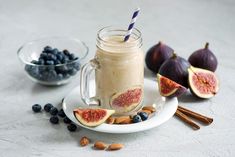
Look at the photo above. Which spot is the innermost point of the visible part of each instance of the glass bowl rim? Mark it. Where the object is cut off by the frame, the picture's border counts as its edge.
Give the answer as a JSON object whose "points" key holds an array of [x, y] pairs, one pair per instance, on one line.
{"points": [[19, 51]]}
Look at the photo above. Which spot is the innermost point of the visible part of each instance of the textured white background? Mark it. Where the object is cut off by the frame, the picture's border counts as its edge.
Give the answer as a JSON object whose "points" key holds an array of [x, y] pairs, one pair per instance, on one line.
{"points": [[183, 24]]}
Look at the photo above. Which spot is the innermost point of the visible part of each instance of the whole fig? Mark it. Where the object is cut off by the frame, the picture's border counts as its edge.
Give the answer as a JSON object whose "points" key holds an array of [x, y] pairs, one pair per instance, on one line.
{"points": [[204, 58], [176, 69], [157, 55]]}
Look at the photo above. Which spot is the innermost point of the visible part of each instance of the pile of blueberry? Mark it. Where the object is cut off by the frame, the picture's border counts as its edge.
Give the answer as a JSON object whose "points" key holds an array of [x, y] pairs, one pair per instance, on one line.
{"points": [[141, 116], [53, 65], [55, 114]]}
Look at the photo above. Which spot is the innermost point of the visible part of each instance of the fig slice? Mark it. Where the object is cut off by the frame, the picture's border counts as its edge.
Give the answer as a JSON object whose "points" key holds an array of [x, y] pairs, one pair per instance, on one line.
{"points": [[169, 88], [127, 100], [92, 116], [203, 83]]}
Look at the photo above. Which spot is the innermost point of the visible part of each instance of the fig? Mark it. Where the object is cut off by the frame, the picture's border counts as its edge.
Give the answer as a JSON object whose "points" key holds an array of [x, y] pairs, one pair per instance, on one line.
{"points": [[156, 56], [169, 88], [203, 83], [204, 58], [127, 100], [176, 69], [92, 116]]}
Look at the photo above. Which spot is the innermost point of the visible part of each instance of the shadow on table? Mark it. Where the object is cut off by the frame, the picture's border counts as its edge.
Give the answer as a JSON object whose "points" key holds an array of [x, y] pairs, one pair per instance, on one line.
{"points": [[188, 97], [38, 88]]}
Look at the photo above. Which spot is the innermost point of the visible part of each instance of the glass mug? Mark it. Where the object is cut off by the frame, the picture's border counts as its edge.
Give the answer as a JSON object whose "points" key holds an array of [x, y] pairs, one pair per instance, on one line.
{"points": [[119, 72]]}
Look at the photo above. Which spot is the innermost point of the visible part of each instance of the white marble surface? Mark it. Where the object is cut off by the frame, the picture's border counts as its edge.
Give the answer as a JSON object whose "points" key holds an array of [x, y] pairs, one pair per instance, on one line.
{"points": [[184, 24]]}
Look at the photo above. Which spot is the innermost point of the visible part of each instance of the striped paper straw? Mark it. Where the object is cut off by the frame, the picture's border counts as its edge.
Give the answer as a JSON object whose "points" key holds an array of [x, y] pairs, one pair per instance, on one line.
{"points": [[131, 26]]}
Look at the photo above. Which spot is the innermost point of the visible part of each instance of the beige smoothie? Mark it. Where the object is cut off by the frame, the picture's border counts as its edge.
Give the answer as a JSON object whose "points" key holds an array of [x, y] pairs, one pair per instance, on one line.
{"points": [[120, 74]]}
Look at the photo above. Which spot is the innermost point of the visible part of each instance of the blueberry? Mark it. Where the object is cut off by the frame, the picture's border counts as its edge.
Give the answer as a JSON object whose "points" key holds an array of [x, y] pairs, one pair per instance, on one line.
{"points": [[27, 67], [59, 56], [72, 127], [66, 76], [49, 68], [61, 113], [32, 70], [41, 69], [60, 76], [49, 62], [53, 111], [34, 62], [77, 65], [143, 115], [49, 75], [50, 56], [36, 108], [71, 56], [136, 119], [61, 69], [57, 62], [48, 107], [66, 52], [43, 55], [65, 59], [72, 72], [53, 74], [41, 61], [53, 57], [55, 51], [54, 120], [47, 49], [67, 120]]}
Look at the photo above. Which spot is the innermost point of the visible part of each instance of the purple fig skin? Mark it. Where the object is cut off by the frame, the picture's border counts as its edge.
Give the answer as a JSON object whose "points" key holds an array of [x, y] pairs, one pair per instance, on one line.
{"points": [[176, 69], [157, 55], [204, 58], [179, 92]]}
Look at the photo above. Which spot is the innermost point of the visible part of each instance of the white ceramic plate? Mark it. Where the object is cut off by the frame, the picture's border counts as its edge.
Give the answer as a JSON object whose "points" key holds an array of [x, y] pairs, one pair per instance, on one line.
{"points": [[165, 109]]}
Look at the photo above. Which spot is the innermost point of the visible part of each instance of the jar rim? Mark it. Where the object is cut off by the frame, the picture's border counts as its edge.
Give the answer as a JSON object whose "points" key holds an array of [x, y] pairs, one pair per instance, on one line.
{"points": [[114, 28], [136, 39]]}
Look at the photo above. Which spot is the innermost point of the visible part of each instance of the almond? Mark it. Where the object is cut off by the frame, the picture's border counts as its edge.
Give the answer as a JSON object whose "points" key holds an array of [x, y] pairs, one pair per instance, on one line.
{"points": [[146, 111], [84, 141], [122, 120], [110, 120], [149, 108], [100, 145], [115, 146], [126, 121]]}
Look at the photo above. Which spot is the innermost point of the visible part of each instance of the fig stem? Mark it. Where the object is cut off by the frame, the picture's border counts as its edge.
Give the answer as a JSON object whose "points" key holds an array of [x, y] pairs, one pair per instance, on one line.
{"points": [[207, 45], [174, 55]]}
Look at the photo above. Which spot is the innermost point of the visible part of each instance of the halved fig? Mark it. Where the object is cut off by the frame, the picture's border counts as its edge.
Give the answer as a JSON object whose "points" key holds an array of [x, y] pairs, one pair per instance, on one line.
{"points": [[203, 83], [169, 88], [92, 116], [127, 100]]}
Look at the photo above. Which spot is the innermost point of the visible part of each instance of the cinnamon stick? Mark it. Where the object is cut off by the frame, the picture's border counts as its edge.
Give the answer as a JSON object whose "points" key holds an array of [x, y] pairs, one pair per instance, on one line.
{"points": [[197, 116], [187, 120]]}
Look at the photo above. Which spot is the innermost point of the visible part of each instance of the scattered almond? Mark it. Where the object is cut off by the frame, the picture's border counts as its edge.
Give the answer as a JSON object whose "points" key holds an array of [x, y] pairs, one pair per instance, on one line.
{"points": [[149, 108], [115, 146], [84, 141], [100, 145], [122, 120], [110, 120]]}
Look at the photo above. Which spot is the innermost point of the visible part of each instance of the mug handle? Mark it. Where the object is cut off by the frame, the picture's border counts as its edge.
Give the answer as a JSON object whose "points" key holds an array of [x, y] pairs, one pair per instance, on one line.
{"points": [[84, 83]]}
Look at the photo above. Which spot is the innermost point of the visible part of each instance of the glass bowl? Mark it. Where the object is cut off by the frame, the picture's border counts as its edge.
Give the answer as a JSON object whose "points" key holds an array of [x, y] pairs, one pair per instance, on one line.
{"points": [[60, 62]]}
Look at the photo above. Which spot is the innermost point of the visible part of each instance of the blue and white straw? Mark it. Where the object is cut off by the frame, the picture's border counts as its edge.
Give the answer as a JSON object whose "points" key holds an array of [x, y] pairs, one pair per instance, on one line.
{"points": [[131, 26]]}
